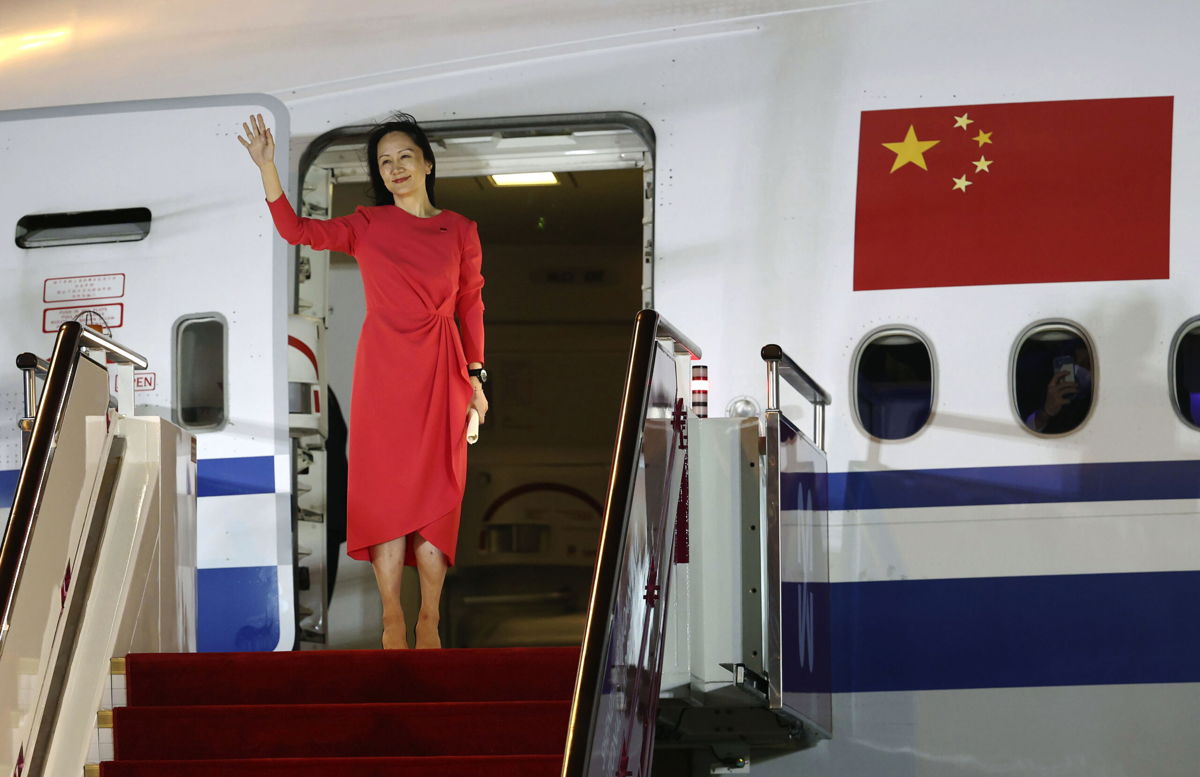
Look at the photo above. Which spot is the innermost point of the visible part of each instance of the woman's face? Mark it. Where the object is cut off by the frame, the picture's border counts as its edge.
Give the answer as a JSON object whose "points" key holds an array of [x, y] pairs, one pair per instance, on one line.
{"points": [[402, 165]]}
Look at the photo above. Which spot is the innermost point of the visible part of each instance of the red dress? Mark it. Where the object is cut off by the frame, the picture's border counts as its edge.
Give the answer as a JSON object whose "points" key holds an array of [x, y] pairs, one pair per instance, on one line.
{"points": [[408, 451]]}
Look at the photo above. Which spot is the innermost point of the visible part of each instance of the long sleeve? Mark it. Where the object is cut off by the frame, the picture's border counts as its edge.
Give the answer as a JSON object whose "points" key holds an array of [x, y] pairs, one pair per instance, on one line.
{"points": [[468, 306], [339, 234]]}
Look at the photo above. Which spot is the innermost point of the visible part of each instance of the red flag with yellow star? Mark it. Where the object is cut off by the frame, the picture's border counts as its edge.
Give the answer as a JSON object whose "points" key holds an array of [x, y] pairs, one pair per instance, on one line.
{"points": [[1043, 192]]}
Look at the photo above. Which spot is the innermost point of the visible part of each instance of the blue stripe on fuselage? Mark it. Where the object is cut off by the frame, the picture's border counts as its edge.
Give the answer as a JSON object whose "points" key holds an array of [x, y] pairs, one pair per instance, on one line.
{"points": [[8, 486], [244, 475], [215, 477], [237, 609], [1000, 632], [1099, 482]]}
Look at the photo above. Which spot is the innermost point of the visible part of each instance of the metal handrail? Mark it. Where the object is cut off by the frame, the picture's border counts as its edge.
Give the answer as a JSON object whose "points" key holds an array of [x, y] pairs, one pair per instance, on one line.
{"points": [[779, 364], [112, 349], [800, 380], [72, 339], [666, 331], [31, 361], [649, 327], [34, 367]]}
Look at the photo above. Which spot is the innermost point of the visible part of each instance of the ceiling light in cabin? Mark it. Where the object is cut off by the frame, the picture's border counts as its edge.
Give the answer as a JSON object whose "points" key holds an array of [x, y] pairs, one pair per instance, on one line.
{"points": [[524, 179], [14, 45]]}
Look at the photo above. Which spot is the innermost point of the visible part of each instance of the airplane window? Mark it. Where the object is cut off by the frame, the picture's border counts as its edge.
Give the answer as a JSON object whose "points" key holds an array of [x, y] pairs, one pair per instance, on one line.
{"points": [[200, 373], [1185, 360], [45, 230], [1053, 378], [894, 377]]}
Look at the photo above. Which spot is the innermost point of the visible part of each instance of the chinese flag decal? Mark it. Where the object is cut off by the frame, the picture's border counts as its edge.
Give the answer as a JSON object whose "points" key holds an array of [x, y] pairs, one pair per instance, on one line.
{"points": [[1045, 192]]}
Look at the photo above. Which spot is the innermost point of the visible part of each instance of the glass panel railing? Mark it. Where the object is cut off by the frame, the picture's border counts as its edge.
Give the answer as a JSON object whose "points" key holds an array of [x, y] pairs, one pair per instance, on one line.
{"points": [[804, 661], [616, 698], [797, 657]]}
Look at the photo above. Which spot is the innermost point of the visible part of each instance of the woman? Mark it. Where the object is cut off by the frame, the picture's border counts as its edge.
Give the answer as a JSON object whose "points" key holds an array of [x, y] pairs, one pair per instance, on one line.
{"points": [[416, 377]]}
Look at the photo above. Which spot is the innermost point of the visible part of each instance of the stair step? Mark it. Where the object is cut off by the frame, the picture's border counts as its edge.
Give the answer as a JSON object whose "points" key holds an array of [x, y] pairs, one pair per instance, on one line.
{"points": [[442, 766], [351, 676], [340, 730]]}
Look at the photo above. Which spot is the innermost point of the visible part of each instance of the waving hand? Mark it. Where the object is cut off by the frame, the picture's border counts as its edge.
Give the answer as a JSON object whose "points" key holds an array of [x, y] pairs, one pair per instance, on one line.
{"points": [[260, 144], [258, 141]]}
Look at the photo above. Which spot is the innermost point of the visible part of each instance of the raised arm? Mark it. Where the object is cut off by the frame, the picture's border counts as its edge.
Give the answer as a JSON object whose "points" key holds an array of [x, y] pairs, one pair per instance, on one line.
{"points": [[338, 234]]}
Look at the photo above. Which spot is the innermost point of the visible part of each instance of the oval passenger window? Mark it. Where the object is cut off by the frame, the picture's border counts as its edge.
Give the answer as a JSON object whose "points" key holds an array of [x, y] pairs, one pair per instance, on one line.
{"points": [[1185, 361], [1053, 379], [894, 385]]}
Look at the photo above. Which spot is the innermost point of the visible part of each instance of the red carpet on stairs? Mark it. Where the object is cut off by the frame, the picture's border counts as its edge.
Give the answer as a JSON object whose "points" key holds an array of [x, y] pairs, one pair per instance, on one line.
{"points": [[353, 713]]}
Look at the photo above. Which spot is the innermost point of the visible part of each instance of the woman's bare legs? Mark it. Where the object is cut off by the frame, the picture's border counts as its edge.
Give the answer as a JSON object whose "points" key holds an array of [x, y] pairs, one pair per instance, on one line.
{"points": [[387, 559], [431, 569]]}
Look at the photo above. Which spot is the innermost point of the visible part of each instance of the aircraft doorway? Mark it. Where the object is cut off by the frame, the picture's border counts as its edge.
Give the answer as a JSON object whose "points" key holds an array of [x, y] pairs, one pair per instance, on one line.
{"points": [[565, 274]]}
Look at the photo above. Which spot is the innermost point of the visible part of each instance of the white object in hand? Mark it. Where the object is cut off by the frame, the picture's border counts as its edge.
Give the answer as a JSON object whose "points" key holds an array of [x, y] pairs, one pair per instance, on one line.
{"points": [[472, 426]]}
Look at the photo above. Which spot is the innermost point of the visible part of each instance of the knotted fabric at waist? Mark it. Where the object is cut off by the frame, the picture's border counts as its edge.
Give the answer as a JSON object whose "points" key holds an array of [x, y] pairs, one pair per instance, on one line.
{"points": [[407, 320]]}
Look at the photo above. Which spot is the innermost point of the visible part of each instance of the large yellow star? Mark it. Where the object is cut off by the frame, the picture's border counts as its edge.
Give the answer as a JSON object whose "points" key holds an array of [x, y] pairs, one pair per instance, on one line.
{"points": [[961, 184], [983, 137], [962, 121], [982, 164], [910, 150]]}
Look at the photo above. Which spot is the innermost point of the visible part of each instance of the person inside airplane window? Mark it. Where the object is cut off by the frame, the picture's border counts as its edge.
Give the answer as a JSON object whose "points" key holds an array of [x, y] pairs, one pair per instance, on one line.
{"points": [[417, 376], [1068, 394]]}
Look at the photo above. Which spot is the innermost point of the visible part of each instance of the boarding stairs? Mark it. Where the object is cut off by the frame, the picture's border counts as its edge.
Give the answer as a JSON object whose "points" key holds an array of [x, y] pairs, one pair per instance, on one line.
{"points": [[359, 713], [124, 526]]}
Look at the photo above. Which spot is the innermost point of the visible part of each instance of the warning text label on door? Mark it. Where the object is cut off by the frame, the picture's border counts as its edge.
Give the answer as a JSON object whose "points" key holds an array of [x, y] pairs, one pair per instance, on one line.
{"points": [[97, 316], [81, 287]]}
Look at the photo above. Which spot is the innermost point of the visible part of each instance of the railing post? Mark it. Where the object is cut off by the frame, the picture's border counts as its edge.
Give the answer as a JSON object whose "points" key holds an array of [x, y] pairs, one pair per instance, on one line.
{"points": [[124, 388], [30, 391], [772, 385], [33, 367]]}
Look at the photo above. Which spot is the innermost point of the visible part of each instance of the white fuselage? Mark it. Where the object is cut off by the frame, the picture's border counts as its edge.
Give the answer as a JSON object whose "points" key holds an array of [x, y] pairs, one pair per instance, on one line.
{"points": [[756, 111]]}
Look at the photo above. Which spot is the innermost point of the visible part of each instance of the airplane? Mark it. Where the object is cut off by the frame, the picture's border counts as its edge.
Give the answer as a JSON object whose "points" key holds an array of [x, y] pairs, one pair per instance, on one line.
{"points": [[956, 217]]}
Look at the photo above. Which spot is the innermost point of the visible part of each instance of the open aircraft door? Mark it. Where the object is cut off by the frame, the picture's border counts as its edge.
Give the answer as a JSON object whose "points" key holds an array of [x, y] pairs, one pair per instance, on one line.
{"points": [[146, 220]]}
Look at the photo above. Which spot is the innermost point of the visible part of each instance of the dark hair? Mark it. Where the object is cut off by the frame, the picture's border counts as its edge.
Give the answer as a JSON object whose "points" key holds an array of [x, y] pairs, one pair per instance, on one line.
{"points": [[399, 122]]}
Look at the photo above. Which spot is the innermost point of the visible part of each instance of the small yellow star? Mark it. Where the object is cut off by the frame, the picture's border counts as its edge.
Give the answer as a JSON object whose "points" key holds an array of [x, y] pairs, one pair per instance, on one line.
{"points": [[983, 137], [982, 164], [961, 184], [962, 121], [910, 150]]}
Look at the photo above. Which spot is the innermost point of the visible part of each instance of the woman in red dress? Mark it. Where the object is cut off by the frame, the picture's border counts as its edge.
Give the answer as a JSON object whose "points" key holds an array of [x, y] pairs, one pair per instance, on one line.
{"points": [[416, 374]]}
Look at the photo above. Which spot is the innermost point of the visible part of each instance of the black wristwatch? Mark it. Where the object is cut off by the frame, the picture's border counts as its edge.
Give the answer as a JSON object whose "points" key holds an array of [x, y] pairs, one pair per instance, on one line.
{"points": [[479, 372]]}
